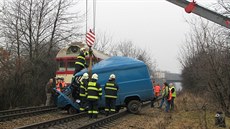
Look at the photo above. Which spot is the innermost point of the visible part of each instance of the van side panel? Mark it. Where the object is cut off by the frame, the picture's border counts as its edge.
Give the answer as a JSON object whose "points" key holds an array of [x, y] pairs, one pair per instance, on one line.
{"points": [[131, 82], [132, 77], [137, 82]]}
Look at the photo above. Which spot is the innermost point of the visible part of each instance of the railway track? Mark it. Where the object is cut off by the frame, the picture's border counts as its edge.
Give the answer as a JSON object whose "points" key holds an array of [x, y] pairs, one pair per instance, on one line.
{"points": [[54, 122], [101, 123], [7, 115], [80, 123]]}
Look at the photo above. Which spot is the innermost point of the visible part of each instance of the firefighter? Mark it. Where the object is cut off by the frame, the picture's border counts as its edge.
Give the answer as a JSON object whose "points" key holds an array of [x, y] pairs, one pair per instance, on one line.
{"points": [[94, 93], [83, 91], [81, 63], [111, 89]]}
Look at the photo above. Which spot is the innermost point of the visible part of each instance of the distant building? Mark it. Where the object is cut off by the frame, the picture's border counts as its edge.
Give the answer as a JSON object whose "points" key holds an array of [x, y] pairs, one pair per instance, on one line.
{"points": [[165, 76]]}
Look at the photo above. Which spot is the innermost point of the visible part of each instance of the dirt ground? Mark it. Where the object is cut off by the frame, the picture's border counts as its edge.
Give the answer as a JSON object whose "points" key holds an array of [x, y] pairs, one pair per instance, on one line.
{"points": [[188, 114]]}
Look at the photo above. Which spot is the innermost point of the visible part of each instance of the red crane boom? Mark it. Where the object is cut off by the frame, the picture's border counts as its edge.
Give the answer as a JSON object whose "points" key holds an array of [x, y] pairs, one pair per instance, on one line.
{"points": [[204, 12]]}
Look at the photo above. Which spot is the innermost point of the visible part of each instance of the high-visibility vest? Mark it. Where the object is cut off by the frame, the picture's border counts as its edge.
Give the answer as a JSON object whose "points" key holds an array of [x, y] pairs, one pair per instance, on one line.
{"points": [[58, 88], [63, 84], [94, 91], [174, 93], [166, 91], [157, 88], [111, 90]]}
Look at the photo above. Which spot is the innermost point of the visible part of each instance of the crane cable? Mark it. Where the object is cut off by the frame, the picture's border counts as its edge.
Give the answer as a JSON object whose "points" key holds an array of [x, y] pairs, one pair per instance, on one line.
{"points": [[94, 16], [86, 19]]}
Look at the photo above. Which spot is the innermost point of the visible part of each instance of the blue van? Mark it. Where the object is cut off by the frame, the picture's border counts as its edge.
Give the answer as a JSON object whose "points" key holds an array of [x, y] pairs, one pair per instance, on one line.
{"points": [[132, 77]]}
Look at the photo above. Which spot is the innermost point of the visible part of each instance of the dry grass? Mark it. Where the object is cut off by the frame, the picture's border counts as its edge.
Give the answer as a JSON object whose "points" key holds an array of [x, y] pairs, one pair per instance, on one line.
{"points": [[194, 112], [191, 112]]}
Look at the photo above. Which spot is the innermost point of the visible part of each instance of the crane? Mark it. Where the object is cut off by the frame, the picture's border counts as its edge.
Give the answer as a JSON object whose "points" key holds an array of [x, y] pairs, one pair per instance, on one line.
{"points": [[204, 12]]}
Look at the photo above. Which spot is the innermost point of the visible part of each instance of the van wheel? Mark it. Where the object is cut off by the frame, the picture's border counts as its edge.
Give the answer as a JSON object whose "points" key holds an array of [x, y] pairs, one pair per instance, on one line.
{"points": [[134, 106], [71, 110]]}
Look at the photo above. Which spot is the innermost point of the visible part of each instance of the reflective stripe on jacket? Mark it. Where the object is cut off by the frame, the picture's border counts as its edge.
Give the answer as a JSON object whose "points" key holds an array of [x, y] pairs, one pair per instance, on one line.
{"points": [[83, 88], [94, 90], [111, 89], [81, 59]]}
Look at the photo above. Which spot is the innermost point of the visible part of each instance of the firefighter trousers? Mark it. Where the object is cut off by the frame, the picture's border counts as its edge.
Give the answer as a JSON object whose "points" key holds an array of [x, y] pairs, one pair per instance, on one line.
{"points": [[83, 103], [93, 108], [110, 104]]}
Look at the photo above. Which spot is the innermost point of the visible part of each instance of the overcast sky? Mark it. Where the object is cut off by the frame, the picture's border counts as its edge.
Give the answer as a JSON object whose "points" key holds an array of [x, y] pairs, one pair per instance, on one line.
{"points": [[155, 25]]}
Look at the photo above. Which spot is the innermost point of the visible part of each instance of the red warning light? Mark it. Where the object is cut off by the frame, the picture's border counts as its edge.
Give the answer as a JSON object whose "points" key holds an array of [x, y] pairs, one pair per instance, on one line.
{"points": [[190, 7]]}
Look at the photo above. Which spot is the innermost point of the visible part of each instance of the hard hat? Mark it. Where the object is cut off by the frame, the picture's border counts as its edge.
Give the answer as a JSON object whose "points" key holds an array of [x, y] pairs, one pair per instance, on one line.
{"points": [[112, 76], [170, 84], [85, 76], [95, 76], [82, 49]]}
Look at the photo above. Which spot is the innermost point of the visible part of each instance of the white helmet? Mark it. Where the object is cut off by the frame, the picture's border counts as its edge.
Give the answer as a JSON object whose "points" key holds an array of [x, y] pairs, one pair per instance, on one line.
{"points": [[112, 76], [95, 76], [82, 49], [170, 84], [85, 76]]}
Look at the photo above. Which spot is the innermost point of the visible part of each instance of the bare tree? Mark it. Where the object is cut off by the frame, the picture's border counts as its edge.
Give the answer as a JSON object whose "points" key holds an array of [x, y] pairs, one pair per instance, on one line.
{"points": [[103, 42], [206, 63], [106, 44], [31, 31]]}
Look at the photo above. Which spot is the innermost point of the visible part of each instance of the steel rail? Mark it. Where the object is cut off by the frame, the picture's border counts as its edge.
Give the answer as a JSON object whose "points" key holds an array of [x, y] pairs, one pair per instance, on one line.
{"points": [[21, 110], [94, 124], [53, 122], [106, 120], [24, 114]]}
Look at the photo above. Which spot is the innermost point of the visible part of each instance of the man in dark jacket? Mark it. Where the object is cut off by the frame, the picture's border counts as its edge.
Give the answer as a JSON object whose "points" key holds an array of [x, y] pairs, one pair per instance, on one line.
{"points": [[81, 63], [94, 93], [50, 92], [111, 89]]}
